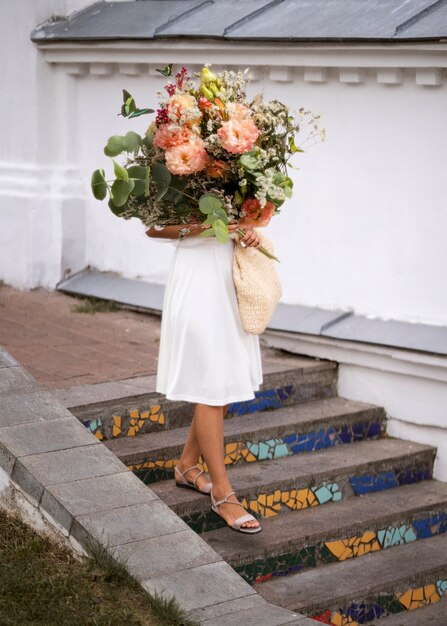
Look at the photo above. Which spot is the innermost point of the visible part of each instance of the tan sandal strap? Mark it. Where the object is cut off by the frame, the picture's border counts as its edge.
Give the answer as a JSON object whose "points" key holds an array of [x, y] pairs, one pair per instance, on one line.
{"points": [[225, 500], [182, 474], [197, 475]]}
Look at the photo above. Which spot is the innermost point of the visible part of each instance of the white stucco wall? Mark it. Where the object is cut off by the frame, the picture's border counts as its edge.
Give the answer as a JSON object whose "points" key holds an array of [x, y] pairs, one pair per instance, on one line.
{"points": [[365, 229]]}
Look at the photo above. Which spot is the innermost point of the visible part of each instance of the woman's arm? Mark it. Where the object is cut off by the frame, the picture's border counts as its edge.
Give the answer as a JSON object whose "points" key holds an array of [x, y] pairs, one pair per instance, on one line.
{"points": [[174, 231]]}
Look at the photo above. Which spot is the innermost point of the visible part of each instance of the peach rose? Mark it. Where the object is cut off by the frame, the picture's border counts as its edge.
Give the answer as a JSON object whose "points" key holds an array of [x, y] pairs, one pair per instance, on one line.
{"points": [[183, 105], [217, 169], [167, 136], [254, 214], [238, 111], [238, 136], [187, 158]]}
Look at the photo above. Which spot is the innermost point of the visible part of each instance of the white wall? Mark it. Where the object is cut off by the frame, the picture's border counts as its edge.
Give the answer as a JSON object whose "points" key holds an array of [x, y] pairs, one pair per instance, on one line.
{"points": [[365, 229]]}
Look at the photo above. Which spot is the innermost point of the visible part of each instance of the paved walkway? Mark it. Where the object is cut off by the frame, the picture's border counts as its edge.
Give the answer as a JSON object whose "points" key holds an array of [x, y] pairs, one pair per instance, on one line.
{"points": [[61, 348]]}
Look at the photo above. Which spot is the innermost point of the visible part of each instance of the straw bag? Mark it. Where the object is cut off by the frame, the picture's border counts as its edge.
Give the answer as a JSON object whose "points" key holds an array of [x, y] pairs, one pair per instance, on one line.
{"points": [[257, 285]]}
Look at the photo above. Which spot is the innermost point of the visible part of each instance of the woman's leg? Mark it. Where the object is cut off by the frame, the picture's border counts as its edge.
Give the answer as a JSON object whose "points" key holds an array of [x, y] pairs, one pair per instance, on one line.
{"points": [[191, 454], [209, 431]]}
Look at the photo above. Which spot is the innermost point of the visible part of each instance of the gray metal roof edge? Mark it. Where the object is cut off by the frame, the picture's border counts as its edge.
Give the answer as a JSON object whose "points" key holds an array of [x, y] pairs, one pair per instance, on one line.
{"points": [[59, 18], [290, 318], [228, 38]]}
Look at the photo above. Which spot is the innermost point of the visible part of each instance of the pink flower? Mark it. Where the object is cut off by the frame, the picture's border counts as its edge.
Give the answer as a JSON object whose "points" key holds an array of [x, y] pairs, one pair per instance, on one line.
{"points": [[187, 158], [238, 111], [238, 136], [254, 215], [183, 107], [167, 136]]}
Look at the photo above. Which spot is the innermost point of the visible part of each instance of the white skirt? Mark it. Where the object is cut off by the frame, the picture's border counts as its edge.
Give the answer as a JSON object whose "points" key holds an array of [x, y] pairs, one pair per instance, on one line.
{"points": [[205, 355]]}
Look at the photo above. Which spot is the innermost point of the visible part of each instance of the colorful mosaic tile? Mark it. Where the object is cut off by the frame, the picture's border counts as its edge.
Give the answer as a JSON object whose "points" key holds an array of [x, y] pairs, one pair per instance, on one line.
{"points": [[384, 604], [369, 483], [433, 525], [95, 426], [332, 551]]}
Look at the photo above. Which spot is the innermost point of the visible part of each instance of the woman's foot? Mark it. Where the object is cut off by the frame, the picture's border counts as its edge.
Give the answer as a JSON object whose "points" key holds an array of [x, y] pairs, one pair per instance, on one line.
{"points": [[231, 512], [191, 474]]}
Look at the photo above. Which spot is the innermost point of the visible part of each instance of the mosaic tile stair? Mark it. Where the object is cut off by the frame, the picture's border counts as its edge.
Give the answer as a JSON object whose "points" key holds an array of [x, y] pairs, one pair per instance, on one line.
{"points": [[334, 533], [432, 615], [288, 431], [288, 380], [366, 590], [294, 483]]}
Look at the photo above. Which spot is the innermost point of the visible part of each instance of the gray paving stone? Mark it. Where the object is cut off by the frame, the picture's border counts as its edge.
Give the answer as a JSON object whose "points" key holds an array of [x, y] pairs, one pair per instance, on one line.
{"points": [[22, 408], [257, 616], [45, 436], [224, 608], [201, 586], [33, 473], [64, 502], [104, 392], [157, 556], [126, 524], [17, 380], [6, 359]]}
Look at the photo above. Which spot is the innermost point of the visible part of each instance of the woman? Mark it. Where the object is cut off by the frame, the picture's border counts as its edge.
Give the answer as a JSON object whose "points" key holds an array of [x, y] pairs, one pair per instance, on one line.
{"points": [[206, 358]]}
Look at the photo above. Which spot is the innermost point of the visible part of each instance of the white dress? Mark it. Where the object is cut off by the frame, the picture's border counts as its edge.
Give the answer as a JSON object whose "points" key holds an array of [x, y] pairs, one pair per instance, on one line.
{"points": [[205, 355]]}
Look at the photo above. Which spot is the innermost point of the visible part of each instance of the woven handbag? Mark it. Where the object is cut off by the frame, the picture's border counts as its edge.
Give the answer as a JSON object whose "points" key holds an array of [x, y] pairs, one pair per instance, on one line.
{"points": [[257, 284]]}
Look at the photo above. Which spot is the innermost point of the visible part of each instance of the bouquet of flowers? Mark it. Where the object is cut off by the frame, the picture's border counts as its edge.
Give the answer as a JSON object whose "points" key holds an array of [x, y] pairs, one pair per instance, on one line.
{"points": [[210, 156]]}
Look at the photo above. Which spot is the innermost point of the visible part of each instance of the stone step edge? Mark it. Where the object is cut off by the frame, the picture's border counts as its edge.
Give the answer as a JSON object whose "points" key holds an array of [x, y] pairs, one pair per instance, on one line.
{"points": [[374, 532], [376, 594], [148, 412], [304, 490], [166, 444], [433, 615]]}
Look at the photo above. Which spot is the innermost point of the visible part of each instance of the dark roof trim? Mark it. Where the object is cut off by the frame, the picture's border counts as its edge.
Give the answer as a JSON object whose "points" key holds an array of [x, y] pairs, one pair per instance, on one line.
{"points": [[372, 21]]}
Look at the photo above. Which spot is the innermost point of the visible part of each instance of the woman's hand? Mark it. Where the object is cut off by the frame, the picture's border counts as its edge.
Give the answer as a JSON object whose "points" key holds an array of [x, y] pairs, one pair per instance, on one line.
{"points": [[251, 237]]}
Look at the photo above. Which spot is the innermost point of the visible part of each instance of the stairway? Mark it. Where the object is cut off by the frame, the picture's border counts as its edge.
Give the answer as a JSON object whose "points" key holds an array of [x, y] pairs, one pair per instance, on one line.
{"points": [[353, 522]]}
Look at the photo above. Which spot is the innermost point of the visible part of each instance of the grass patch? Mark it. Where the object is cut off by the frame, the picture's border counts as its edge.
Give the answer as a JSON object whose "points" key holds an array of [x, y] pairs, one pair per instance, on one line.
{"points": [[43, 584], [94, 305]]}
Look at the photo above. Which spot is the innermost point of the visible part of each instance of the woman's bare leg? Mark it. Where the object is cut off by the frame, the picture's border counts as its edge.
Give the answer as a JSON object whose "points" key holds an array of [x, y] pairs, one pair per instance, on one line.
{"points": [[209, 431], [191, 454]]}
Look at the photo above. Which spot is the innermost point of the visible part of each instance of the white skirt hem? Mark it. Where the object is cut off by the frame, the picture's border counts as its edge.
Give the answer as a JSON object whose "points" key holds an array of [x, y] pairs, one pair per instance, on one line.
{"points": [[208, 401]]}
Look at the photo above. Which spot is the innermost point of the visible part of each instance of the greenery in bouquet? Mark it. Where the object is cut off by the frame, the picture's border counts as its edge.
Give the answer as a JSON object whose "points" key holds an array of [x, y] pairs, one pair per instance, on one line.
{"points": [[211, 155]]}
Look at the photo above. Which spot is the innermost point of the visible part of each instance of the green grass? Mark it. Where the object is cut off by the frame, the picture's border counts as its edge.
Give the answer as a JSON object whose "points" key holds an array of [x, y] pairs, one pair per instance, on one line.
{"points": [[93, 305], [43, 584]]}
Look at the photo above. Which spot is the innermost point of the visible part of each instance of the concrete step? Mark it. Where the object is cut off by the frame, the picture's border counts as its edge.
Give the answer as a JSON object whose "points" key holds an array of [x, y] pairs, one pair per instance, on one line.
{"points": [[284, 432], [337, 532], [430, 615], [294, 483], [367, 589], [127, 408]]}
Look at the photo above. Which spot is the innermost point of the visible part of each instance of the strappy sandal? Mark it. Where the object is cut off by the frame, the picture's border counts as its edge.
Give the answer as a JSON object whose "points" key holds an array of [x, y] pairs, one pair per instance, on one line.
{"points": [[237, 524], [181, 481]]}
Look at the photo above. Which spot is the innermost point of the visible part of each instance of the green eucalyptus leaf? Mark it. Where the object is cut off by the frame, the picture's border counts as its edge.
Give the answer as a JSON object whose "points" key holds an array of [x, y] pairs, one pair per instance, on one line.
{"points": [[207, 233], [249, 160], [288, 192], [99, 185], [221, 231], [148, 140], [115, 146], [120, 172], [209, 203], [132, 141], [116, 210], [120, 191], [161, 175], [137, 171]]}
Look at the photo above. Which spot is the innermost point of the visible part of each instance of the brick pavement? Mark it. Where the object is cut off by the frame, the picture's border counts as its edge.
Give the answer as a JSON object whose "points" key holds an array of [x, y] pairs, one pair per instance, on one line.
{"points": [[64, 349]]}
